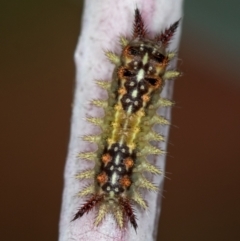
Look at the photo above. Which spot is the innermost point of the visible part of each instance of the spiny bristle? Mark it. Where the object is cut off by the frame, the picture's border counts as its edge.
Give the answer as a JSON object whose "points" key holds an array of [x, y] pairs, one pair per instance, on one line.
{"points": [[139, 30], [164, 102], [128, 211], [89, 205], [153, 169], [150, 150], [118, 214], [101, 214], [158, 120], [137, 197], [171, 55], [166, 36], [92, 138], [100, 103], [146, 166], [90, 156], [87, 191], [170, 74], [124, 42], [86, 174], [96, 121], [153, 136], [144, 183], [113, 57], [103, 84]]}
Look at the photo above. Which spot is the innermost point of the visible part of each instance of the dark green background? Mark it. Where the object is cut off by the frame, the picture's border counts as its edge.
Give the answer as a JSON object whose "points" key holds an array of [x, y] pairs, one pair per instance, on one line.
{"points": [[37, 41]]}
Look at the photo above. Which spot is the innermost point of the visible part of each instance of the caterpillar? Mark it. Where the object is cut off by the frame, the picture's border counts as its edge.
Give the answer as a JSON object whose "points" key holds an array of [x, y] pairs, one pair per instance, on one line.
{"points": [[127, 136]]}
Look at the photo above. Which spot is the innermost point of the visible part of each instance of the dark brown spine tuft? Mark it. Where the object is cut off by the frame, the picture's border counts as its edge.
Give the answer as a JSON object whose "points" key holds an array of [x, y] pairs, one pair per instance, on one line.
{"points": [[139, 29], [93, 201], [166, 36], [129, 212]]}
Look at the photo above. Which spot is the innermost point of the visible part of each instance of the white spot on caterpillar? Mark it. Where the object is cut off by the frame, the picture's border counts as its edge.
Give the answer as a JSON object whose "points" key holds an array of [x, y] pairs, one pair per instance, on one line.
{"points": [[134, 93], [117, 159], [145, 59], [114, 178], [140, 75]]}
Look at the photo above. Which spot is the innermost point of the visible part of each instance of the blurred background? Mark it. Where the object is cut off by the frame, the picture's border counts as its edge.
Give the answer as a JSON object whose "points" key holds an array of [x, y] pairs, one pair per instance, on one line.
{"points": [[202, 199]]}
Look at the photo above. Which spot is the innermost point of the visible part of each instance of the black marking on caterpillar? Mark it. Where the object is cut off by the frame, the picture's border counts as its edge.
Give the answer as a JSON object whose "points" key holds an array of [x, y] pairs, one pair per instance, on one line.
{"points": [[130, 113]]}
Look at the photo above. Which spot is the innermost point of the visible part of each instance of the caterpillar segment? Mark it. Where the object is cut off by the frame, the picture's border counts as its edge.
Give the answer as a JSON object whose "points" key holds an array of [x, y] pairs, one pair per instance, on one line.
{"points": [[127, 134]]}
